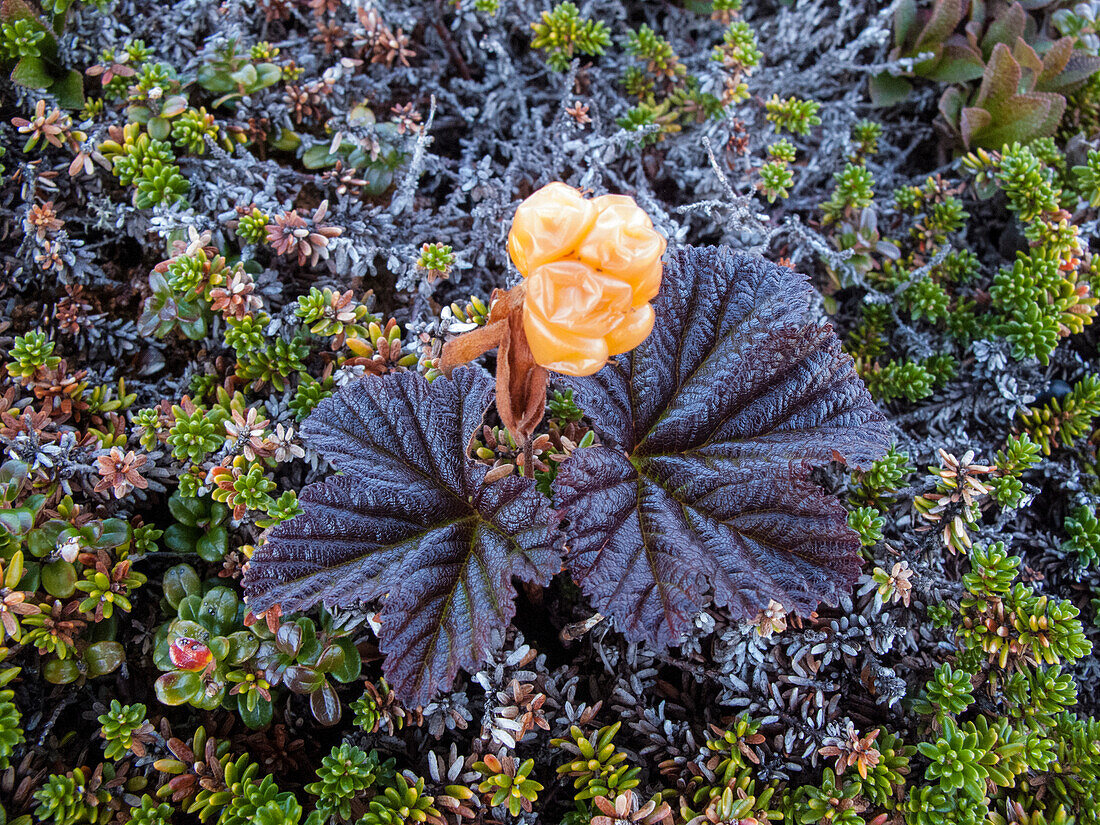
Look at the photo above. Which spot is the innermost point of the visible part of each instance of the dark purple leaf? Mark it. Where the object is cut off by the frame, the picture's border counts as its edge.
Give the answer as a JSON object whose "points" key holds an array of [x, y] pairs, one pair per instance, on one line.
{"points": [[710, 429], [325, 705], [302, 679], [289, 638], [410, 522]]}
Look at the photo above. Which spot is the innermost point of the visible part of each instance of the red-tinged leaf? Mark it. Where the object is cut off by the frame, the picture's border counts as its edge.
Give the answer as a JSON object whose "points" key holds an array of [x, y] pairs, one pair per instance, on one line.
{"points": [[710, 430], [945, 16], [1024, 117], [1001, 79], [410, 522], [1006, 28], [325, 705]]}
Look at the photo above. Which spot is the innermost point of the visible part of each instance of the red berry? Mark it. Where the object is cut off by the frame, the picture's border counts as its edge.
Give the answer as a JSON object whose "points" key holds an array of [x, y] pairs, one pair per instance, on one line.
{"points": [[189, 654]]}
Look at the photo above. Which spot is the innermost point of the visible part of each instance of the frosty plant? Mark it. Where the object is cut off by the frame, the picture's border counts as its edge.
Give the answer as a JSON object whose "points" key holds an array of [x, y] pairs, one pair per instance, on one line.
{"points": [[722, 397]]}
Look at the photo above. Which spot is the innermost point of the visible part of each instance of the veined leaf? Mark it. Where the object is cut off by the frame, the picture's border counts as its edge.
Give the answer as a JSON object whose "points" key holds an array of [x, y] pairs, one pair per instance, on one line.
{"points": [[410, 522], [710, 430]]}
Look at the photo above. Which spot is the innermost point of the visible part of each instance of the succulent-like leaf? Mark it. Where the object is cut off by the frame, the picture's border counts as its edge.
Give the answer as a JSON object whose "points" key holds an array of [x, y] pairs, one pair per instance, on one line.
{"points": [[906, 20], [411, 522], [944, 17], [1036, 114], [1007, 28], [1064, 69], [958, 63], [1001, 80], [710, 429], [887, 90], [971, 123]]}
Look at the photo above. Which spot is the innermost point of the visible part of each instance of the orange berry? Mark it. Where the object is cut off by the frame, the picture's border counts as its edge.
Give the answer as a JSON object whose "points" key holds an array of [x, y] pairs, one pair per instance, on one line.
{"points": [[592, 267]]}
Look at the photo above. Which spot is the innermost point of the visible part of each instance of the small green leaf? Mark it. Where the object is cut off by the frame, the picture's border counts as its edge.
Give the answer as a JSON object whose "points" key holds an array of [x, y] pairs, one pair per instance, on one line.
{"points": [[179, 582], [317, 157], [61, 671], [888, 90], [213, 545], [352, 664], [267, 74], [258, 715], [159, 128], [69, 90], [32, 73], [59, 579], [177, 687], [103, 658]]}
